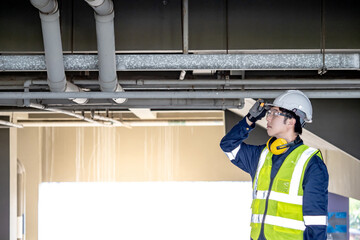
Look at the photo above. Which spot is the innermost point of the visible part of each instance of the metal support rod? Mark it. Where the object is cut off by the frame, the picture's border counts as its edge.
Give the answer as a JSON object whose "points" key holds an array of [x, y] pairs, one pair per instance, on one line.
{"points": [[81, 117], [130, 123], [177, 95], [41, 107], [10, 124], [149, 103], [110, 120], [185, 25]]}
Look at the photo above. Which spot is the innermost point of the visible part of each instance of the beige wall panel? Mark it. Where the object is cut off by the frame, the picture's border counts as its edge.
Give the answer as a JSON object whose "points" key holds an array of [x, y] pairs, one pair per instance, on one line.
{"points": [[175, 153]]}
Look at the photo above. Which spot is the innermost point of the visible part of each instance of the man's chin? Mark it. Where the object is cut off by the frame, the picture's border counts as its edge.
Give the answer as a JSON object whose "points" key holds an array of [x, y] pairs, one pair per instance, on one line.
{"points": [[269, 132]]}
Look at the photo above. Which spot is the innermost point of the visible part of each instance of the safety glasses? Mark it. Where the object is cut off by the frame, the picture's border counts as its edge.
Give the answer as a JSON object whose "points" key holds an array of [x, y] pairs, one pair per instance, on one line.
{"points": [[275, 113]]}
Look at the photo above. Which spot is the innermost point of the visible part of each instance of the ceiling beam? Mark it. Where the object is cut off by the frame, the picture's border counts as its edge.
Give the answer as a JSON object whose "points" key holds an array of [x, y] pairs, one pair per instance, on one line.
{"points": [[178, 62]]}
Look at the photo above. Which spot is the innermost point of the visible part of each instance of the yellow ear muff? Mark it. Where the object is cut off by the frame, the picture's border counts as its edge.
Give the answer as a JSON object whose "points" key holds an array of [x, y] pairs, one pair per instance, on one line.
{"points": [[273, 143]]}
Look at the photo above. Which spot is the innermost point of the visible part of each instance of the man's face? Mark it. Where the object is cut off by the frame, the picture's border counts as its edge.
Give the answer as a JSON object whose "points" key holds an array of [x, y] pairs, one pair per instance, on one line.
{"points": [[275, 123]]}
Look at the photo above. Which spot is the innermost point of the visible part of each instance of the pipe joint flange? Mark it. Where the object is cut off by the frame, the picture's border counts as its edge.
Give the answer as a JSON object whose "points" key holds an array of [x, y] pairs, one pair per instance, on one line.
{"points": [[50, 7], [104, 18], [109, 86], [57, 86], [47, 17], [95, 3]]}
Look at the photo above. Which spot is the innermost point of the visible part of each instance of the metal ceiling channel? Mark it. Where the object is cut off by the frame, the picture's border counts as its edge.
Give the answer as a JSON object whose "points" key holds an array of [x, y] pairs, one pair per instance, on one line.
{"points": [[178, 62]]}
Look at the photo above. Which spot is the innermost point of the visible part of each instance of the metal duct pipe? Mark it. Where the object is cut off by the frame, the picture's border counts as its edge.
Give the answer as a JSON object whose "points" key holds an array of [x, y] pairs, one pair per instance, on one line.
{"points": [[50, 24], [231, 82], [104, 17], [179, 94]]}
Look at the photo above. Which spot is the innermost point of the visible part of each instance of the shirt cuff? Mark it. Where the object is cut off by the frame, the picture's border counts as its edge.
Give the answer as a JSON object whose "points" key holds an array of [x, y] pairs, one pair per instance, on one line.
{"points": [[247, 127]]}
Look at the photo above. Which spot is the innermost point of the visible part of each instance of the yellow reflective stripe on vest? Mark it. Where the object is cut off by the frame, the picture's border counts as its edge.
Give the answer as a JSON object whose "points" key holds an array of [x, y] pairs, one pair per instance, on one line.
{"points": [[296, 177], [283, 197], [315, 220], [279, 221], [261, 161]]}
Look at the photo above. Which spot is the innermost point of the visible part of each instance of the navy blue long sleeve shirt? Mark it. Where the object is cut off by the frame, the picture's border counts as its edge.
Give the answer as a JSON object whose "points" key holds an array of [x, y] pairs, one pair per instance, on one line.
{"points": [[315, 183]]}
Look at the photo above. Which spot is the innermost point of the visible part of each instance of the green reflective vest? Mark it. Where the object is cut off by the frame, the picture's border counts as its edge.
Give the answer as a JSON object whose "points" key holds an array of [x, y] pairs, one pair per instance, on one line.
{"points": [[283, 219]]}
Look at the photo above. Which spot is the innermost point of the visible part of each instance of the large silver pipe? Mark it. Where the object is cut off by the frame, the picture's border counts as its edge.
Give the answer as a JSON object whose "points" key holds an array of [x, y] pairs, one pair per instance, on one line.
{"points": [[327, 94], [50, 24], [105, 34], [207, 84], [230, 82]]}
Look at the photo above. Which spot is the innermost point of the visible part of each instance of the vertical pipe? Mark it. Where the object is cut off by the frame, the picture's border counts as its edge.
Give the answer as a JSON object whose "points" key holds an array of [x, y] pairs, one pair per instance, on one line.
{"points": [[105, 35], [50, 24], [106, 52]]}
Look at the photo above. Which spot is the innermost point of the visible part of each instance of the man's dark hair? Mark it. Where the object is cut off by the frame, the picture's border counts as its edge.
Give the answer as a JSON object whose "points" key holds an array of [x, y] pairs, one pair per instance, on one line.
{"points": [[290, 114]]}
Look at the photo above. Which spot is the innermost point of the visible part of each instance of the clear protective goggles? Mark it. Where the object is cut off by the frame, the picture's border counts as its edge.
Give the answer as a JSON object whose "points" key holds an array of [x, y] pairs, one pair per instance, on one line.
{"points": [[274, 113]]}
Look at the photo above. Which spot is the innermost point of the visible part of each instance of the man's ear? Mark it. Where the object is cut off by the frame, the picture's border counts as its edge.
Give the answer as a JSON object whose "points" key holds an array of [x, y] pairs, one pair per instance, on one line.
{"points": [[291, 121]]}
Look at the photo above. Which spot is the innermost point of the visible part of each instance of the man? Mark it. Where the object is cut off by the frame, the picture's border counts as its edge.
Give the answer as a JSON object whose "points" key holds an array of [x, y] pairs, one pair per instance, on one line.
{"points": [[290, 179]]}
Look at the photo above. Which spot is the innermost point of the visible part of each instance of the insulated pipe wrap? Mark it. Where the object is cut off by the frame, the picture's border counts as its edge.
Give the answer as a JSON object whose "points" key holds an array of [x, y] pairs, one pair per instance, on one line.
{"points": [[53, 51], [104, 17], [106, 52], [45, 6], [50, 24]]}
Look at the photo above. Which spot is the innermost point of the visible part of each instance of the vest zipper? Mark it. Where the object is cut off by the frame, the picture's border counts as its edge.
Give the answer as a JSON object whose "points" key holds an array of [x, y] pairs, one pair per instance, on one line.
{"points": [[266, 207]]}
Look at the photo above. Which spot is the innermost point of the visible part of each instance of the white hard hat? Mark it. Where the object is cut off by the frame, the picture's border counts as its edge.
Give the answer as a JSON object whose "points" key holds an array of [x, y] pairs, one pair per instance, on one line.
{"points": [[297, 102]]}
